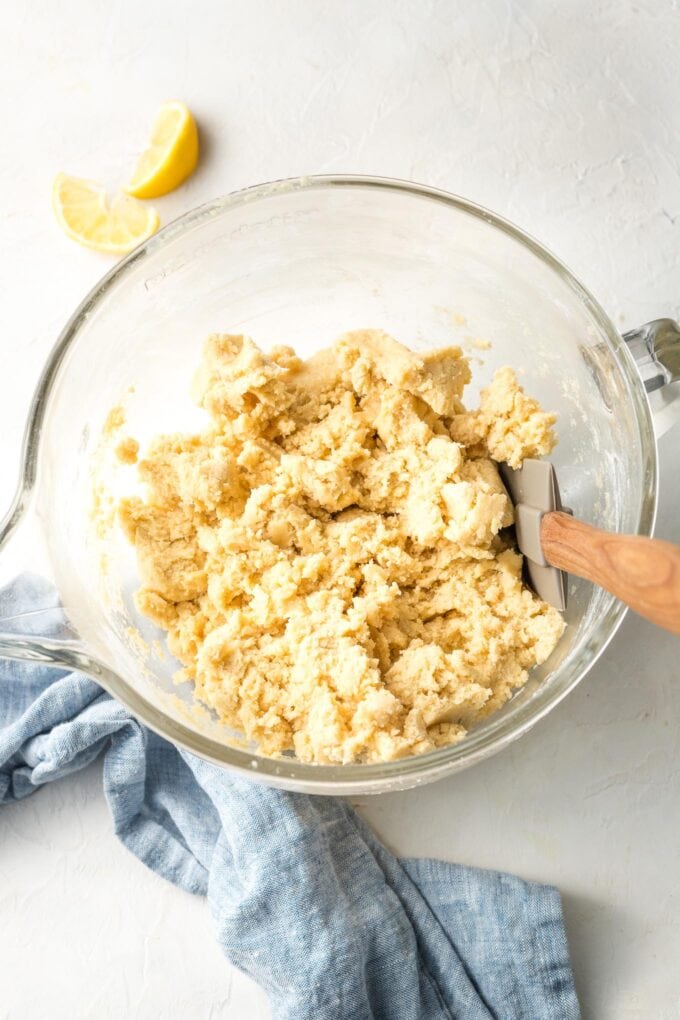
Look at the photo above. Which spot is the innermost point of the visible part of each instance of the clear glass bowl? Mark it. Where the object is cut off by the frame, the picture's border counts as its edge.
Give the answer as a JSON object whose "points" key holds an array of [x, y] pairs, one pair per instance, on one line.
{"points": [[299, 262]]}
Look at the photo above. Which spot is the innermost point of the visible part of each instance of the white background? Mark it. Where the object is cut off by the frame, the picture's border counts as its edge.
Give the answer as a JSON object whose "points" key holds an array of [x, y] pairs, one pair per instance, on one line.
{"points": [[563, 116]]}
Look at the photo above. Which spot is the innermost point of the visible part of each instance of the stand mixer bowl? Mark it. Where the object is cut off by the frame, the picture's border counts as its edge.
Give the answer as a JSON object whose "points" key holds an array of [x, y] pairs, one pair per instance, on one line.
{"points": [[300, 262]]}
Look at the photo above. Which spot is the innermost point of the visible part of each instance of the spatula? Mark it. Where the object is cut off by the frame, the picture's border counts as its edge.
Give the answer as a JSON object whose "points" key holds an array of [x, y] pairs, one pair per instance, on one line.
{"points": [[642, 572]]}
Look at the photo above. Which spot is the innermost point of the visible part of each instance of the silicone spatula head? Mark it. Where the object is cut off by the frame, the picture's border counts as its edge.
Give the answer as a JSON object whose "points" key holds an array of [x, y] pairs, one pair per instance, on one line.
{"points": [[534, 492]]}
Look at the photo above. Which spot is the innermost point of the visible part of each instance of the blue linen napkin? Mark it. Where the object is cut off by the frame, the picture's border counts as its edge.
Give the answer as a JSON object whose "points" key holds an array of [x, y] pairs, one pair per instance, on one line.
{"points": [[305, 899]]}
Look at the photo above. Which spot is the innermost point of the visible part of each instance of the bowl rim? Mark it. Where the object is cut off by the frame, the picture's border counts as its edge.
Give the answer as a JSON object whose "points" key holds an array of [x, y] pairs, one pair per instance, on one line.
{"points": [[351, 778]]}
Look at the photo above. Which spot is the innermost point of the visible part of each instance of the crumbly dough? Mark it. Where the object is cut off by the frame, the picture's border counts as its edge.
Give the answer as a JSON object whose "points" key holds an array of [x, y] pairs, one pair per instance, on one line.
{"points": [[327, 556], [127, 450]]}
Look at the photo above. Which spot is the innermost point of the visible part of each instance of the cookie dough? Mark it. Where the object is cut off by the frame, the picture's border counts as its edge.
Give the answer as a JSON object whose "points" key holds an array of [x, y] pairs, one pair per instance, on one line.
{"points": [[327, 556]]}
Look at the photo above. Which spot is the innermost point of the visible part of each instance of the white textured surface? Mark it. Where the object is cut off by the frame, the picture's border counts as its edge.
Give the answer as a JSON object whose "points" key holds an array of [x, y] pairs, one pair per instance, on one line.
{"points": [[562, 116]]}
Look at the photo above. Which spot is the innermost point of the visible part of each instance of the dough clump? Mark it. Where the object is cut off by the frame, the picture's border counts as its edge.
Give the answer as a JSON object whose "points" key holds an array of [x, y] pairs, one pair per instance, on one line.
{"points": [[327, 556]]}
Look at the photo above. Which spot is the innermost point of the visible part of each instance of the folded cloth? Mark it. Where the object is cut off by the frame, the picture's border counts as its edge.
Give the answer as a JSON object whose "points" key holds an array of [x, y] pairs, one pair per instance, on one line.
{"points": [[305, 898]]}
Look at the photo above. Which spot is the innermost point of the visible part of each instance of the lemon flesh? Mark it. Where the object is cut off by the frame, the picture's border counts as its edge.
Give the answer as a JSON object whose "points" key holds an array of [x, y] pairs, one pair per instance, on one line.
{"points": [[83, 212], [171, 156]]}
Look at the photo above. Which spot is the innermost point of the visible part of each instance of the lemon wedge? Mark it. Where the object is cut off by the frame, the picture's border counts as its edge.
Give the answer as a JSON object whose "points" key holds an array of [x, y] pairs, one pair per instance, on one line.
{"points": [[172, 154], [85, 215]]}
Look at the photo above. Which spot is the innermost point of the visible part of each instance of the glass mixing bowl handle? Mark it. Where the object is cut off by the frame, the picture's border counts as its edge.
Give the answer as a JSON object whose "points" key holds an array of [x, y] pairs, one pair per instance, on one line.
{"points": [[33, 625], [655, 347]]}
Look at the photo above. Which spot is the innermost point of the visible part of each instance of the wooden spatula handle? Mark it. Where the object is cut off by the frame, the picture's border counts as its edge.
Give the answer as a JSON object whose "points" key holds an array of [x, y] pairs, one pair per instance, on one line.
{"points": [[642, 572]]}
